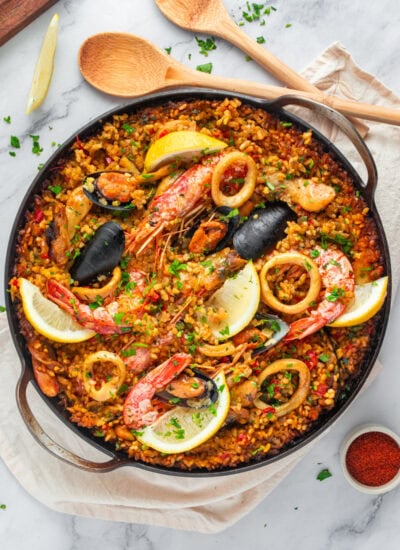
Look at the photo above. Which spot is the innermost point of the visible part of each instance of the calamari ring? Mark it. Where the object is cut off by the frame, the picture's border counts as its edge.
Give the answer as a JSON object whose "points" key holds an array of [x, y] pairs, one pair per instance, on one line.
{"points": [[108, 390], [302, 389], [243, 195], [92, 294], [296, 258]]}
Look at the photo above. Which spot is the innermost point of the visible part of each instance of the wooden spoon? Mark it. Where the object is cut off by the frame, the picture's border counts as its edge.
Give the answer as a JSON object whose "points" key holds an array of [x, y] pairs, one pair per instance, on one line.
{"points": [[126, 65], [211, 17]]}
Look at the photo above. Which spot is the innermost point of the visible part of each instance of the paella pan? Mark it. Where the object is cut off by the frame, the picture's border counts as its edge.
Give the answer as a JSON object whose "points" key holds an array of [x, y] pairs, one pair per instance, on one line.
{"points": [[185, 277]]}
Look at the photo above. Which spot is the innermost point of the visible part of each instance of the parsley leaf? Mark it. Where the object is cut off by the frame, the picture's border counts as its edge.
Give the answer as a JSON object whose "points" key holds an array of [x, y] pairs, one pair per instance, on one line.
{"points": [[324, 474], [206, 68]]}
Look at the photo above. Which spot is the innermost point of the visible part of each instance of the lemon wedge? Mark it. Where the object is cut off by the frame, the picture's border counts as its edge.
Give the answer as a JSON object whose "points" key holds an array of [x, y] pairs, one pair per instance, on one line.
{"points": [[184, 145], [239, 297], [368, 300], [47, 318], [44, 67], [182, 429]]}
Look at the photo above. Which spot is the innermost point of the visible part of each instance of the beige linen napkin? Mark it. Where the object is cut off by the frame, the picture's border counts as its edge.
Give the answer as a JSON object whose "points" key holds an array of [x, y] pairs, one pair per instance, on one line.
{"points": [[133, 495]]}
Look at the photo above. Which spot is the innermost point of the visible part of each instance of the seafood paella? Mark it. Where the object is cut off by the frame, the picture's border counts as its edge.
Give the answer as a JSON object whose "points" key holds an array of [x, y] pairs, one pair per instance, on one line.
{"points": [[197, 283]]}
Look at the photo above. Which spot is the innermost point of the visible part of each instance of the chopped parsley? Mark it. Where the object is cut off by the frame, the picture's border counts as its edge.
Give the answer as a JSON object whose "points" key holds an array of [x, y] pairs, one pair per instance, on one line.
{"points": [[335, 294], [176, 266], [96, 303], [12, 153], [14, 142], [225, 331], [324, 474], [168, 50], [36, 149], [118, 317], [3, 506], [128, 128], [206, 45], [314, 253], [56, 189], [206, 68], [324, 357], [2, 309], [260, 40], [7, 119], [285, 124]]}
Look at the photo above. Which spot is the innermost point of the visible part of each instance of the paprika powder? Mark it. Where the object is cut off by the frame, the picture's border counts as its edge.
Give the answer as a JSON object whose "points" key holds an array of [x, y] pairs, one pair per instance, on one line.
{"points": [[373, 458]]}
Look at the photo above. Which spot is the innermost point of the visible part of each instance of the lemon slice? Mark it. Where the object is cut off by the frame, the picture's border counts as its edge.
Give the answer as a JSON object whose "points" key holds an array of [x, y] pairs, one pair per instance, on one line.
{"points": [[368, 300], [182, 429], [44, 67], [47, 318], [239, 297], [184, 145]]}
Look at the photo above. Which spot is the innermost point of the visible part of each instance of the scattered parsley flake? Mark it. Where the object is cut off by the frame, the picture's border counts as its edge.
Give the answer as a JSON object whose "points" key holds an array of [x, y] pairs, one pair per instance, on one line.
{"points": [[128, 128], [206, 45], [56, 189], [7, 119], [288, 25], [3, 506], [206, 68], [324, 357], [14, 142], [260, 40], [2, 309], [36, 149], [12, 153], [168, 50], [324, 474]]}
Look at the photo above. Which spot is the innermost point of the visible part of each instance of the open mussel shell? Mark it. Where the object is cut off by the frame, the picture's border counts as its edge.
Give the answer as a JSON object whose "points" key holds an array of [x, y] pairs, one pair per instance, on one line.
{"points": [[100, 255], [207, 398], [263, 229], [96, 197], [271, 324]]}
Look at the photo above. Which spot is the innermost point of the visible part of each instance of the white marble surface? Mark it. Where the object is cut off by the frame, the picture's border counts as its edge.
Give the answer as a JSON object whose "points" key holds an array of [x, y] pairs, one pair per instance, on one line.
{"points": [[301, 511]]}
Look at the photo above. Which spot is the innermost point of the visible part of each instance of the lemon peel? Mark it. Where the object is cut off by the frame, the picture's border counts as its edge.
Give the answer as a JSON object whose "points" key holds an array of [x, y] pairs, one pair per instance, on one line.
{"points": [[47, 318], [182, 429], [44, 67], [184, 145], [368, 299]]}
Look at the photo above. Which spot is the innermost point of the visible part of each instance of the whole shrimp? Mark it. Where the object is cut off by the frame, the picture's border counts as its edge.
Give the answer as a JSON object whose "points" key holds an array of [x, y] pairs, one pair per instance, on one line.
{"points": [[107, 319], [338, 279], [187, 191], [138, 410]]}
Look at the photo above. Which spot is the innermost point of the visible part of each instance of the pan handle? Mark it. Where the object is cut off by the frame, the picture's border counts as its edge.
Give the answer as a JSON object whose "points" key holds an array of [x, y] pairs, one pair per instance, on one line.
{"points": [[49, 444], [347, 128]]}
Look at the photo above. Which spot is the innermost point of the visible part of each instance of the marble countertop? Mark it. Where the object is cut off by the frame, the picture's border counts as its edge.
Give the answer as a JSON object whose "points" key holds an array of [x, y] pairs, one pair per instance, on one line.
{"points": [[327, 515]]}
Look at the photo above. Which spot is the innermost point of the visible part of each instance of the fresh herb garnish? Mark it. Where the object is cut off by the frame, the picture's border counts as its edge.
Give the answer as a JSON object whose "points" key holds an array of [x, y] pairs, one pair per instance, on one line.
{"points": [[260, 40], [324, 357], [36, 149], [335, 294], [56, 189], [128, 128], [168, 50], [14, 142], [324, 474], [314, 253], [7, 119], [176, 266], [2, 309], [206, 68], [206, 45]]}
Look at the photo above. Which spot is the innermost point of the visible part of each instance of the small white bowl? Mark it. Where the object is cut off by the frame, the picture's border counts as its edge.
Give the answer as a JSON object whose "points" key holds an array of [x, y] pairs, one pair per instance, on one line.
{"points": [[348, 440]]}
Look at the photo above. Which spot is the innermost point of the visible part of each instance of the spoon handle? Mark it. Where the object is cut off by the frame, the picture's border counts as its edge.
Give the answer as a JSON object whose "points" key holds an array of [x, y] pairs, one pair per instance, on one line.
{"points": [[180, 76], [230, 32]]}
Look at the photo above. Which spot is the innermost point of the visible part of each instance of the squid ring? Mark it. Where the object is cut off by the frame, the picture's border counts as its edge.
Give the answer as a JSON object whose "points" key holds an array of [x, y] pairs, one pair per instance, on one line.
{"points": [[108, 389], [302, 389], [233, 201], [296, 258]]}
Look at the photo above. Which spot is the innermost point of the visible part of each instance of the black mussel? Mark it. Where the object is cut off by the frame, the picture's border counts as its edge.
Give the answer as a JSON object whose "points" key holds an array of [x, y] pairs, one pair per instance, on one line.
{"points": [[194, 392], [213, 235], [101, 254], [263, 229], [109, 189], [271, 326]]}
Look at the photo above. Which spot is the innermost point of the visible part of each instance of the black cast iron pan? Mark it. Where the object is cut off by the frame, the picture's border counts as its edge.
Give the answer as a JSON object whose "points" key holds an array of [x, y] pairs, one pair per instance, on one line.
{"points": [[118, 459]]}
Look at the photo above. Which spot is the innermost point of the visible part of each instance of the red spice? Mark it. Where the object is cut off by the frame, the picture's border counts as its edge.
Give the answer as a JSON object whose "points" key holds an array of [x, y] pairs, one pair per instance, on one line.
{"points": [[373, 459]]}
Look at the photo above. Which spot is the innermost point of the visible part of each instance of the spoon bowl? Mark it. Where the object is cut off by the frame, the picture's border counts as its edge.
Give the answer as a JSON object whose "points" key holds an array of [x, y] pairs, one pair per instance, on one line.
{"points": [[125, 65]]}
